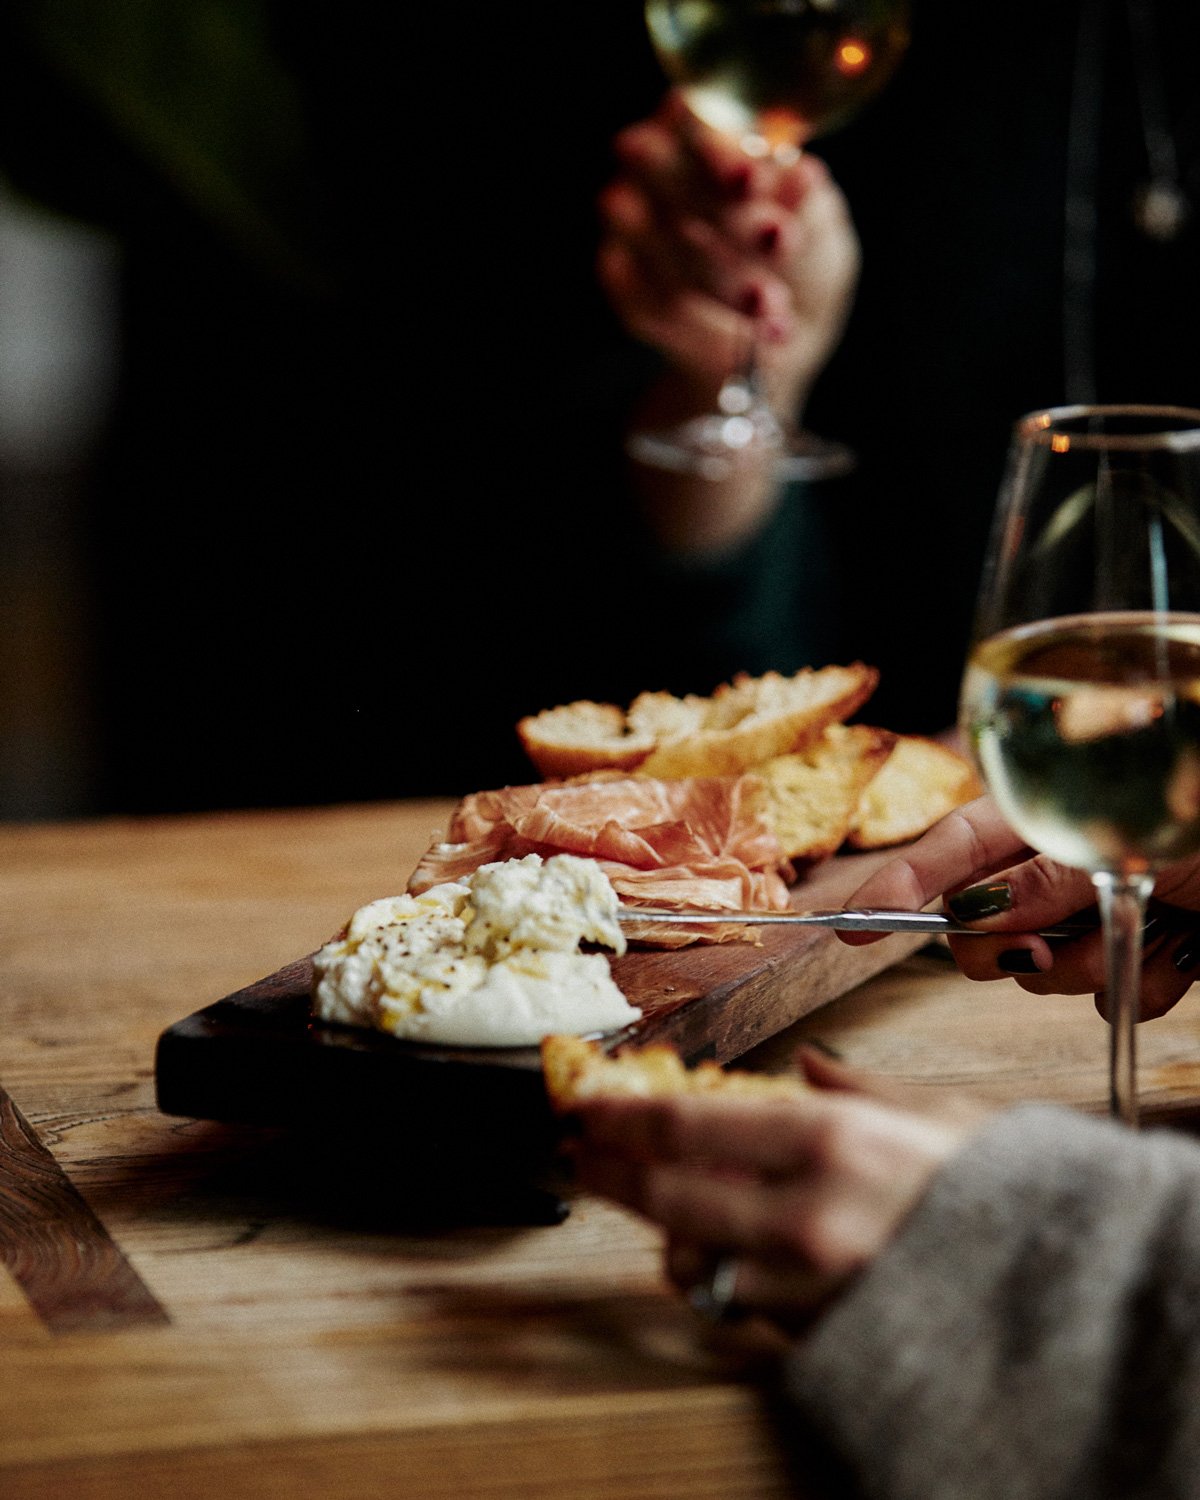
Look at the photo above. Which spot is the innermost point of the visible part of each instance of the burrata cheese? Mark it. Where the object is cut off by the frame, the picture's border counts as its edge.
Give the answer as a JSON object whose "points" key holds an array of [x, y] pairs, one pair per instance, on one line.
{"points": [[492, 960]]}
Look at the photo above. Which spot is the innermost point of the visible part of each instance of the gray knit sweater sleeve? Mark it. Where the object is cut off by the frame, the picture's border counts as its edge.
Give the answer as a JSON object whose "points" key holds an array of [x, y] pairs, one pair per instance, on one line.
{"points": [[1034, 1331]]}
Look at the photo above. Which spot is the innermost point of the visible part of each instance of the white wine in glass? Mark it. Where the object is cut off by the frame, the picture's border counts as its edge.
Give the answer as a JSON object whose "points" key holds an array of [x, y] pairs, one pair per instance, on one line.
{"points": [[1081, 698], [777, 73], [773, 74]]}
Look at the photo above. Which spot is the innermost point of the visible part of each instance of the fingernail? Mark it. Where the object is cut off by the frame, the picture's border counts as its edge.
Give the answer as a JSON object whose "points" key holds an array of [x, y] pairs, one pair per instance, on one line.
{"points": [[824, 1048], [752, 302], [981, 901], [737, 184], [768, 239], [1187, 956], [1017, 961]]}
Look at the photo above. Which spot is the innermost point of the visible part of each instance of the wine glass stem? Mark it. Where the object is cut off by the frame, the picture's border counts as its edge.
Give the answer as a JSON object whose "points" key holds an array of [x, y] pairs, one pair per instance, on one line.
{"points": [[743, 388], [1122, 900]]}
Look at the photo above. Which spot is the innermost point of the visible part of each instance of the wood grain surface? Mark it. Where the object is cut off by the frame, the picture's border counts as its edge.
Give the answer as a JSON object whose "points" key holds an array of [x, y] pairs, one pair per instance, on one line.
{"points": [[332, 1332], [53, 1245]]}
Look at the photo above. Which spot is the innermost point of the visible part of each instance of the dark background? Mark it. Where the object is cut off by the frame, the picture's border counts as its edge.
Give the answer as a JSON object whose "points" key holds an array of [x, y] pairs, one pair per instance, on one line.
{"points": [[357, 501]]}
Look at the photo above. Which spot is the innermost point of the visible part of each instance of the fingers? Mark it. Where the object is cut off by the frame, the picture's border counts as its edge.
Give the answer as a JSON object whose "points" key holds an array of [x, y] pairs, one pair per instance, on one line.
{"points": [[820, 252], [744, 1214], [689, 289], [968, 844], [749, 1134], [834, 1076], [676, 186], [701, 245], [739, 1213], [801, 1194], [717, 157], [694, 330], [1073, 966], [1170, 963], [973, 844], [1179, 885], [785, 1292], [740, 1168], [825, 1072]]}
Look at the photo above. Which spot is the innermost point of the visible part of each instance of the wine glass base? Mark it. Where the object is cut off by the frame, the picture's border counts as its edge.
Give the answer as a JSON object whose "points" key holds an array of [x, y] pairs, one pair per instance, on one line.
{"points": [[715, 447], [804, 455]]}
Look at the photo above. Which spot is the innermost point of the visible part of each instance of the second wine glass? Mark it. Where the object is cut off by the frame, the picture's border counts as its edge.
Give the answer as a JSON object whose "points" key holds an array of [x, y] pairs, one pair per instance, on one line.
{"points": [[1081, 699], [774, 74]]}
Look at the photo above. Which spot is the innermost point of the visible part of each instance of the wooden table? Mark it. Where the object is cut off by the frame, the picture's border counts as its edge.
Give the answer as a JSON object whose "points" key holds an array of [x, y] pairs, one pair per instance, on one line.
{"points": [[260, 1344]]}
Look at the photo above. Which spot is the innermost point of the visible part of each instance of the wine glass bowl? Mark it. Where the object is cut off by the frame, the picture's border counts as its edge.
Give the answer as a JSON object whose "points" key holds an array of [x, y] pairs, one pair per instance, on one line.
{"points": [[1081, 697], [777, 73]]}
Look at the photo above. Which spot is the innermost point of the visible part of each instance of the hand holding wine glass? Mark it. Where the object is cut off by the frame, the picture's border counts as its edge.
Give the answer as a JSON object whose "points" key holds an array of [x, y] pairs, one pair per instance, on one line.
{"points": [[706, 251], [770, 75], [1081, 699]]}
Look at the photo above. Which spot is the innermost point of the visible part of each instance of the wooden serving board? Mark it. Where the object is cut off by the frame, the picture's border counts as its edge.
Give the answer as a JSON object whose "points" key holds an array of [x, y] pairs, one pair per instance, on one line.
{"points": [[256, 1056]]}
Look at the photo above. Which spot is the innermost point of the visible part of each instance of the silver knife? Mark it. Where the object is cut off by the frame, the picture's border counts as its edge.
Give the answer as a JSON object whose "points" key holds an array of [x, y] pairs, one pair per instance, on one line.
{"points": [[863, 919]]}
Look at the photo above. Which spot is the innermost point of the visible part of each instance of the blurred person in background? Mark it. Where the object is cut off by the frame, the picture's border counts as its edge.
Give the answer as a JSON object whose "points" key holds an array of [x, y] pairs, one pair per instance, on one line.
{"points": [[1022, 199], [363, 499]]}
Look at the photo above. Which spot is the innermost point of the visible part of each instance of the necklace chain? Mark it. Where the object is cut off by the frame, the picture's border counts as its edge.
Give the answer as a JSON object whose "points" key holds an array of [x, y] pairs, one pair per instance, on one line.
{"points": [[1160, 206]]}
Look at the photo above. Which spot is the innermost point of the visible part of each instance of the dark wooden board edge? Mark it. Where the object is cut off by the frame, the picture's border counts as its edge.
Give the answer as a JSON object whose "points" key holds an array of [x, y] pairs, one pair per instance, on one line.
{"points": [[258, 1057]]}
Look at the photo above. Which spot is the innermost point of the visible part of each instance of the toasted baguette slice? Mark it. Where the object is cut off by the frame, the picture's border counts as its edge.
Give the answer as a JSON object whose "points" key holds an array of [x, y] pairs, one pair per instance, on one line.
{"points": [[747, 721], [743, 723], [921, 781], [579, 738], [576, 1069], [813, 795]]}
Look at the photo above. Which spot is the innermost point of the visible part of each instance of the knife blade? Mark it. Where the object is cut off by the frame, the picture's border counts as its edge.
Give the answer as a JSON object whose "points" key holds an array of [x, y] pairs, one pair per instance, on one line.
{"points": [[862, 919]]}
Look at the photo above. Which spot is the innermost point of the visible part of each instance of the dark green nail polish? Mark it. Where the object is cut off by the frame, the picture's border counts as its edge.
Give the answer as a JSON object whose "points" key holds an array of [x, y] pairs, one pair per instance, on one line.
{"points": [[979, 901], [1017, 961]]}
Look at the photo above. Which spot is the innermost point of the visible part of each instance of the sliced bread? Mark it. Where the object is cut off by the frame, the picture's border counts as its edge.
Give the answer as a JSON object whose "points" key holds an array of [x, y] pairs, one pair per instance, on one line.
{"points": [[742, 724], [813, 795], [921, 781]]}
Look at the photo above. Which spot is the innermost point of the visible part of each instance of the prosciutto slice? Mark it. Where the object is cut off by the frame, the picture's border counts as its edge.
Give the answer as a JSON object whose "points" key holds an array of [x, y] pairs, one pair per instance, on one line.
{"points": [[699, 843]]}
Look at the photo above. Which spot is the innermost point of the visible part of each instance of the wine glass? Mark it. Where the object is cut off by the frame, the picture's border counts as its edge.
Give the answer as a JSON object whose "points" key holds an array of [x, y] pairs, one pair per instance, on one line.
{"points": [[1081, 698], [774, 74]]}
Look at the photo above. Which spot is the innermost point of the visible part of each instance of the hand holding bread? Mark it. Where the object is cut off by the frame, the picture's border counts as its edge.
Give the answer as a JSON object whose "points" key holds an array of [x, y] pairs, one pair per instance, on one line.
{"points": [[793, 1182]]}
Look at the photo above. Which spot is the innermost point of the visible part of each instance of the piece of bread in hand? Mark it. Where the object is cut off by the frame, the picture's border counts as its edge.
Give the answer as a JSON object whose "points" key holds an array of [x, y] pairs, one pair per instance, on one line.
{"points": [[921, 781], [576, 1069], [577, 739], [813, 795]]}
